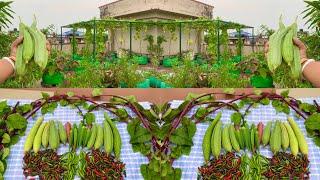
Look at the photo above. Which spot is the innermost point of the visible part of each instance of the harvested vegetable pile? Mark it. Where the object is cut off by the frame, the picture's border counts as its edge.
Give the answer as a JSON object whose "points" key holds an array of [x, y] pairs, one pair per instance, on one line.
{"points": [[100, 165], [285, 165], [225, 167], [45, 164]]}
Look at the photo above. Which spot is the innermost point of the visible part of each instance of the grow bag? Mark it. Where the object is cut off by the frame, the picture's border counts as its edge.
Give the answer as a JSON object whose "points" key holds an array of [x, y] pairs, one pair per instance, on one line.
{"points": [[141, 60], [261, 82], [52, 80], [144, 84], [170, 62]]}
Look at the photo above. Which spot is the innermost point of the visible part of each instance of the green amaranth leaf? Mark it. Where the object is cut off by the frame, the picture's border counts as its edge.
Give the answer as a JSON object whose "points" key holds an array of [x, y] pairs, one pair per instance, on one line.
{"points": [[230, 91], [5, 153], [45, 95], [313, 122], [308, 107], [5, 138], [201, 112], [236, 118], [285, 93], [16, 121], [70, 94], [89, 118], [24, 108], [97, 92], [49, 108], [265, 101], [122, 114]]}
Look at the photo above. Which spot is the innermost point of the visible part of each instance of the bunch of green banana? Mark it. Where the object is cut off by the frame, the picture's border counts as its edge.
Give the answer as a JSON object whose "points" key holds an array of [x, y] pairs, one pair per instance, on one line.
{"points": [[34, 47], [45, 134]]}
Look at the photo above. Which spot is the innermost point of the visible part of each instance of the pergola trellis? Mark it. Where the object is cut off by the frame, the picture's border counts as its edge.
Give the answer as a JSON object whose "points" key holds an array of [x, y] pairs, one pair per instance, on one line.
{"points": [[205, 24]]}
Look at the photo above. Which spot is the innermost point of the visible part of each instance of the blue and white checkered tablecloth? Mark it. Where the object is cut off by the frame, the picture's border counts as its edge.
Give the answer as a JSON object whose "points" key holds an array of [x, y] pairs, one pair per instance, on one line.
{"points": [[188, 164]]}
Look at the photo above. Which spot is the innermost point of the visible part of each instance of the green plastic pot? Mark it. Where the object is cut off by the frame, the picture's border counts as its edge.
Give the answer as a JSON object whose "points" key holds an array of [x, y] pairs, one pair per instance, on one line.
{"points": [[261, 82], [170, 62], [145, 84], [141, 60], [53, 80], [123, 85]]}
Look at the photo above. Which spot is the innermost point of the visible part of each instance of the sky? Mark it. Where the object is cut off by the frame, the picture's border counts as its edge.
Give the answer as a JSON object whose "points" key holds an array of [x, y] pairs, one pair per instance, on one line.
{"points": [[250, 12]]}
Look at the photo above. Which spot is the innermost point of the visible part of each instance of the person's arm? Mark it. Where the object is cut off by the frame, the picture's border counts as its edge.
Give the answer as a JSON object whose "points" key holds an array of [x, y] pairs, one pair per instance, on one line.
{"points": [[310, 68], [7, 64]]}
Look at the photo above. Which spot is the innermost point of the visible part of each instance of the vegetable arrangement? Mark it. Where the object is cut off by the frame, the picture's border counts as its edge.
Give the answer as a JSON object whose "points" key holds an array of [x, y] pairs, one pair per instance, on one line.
{"points": [[34, 47], [281, 135], [166, 143]]}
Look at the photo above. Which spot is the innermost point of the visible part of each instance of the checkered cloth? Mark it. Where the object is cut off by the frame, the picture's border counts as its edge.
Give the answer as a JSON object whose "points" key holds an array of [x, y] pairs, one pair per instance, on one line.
{"points": [[188, 164]]}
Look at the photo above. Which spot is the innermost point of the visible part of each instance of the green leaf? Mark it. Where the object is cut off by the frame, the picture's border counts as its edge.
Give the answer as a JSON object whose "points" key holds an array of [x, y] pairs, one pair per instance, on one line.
{"points": [[181, 137], [89, 118], [140, 135], [132, 126], [177, 173], [14, 140], [190, 127], [122, 114], [97, 92], [5, 153], [186, 150], [5, 138], [16, 121], [230, 91], [45, 95], [145, 171], [265, 101], [1, 167], [201, 112], [257, 92], [3, 105], [308, 107], [313, 122], [285, 93], [63, 103], [25, 108], [176, 152], [236, 118], [70, 94], [49, 108]]}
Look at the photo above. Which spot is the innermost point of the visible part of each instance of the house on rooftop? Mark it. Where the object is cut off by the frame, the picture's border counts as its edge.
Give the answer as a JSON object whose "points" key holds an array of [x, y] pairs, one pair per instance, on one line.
{"points": [[156, 10]]}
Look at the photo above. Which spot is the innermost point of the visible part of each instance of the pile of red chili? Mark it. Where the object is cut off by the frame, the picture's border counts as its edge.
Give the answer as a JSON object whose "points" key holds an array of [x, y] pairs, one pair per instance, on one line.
{"points": [[225, 167], [100, 165], [286, 165], [45, 164]]}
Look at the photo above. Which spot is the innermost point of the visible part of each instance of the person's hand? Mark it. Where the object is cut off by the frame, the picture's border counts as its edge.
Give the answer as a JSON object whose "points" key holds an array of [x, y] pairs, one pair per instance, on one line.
{"points": [[297, 42], [17, 42], [14, 47], [303, 49]]}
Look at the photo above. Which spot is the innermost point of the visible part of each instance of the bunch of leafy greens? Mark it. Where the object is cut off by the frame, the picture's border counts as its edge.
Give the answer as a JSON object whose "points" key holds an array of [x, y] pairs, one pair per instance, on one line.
{"points": [[13, 126], [312, 125]]}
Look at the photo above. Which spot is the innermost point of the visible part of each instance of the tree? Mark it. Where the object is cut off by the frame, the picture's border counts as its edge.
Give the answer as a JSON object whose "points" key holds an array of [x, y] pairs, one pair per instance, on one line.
{"points": [[5, 14], [312, 14]]}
